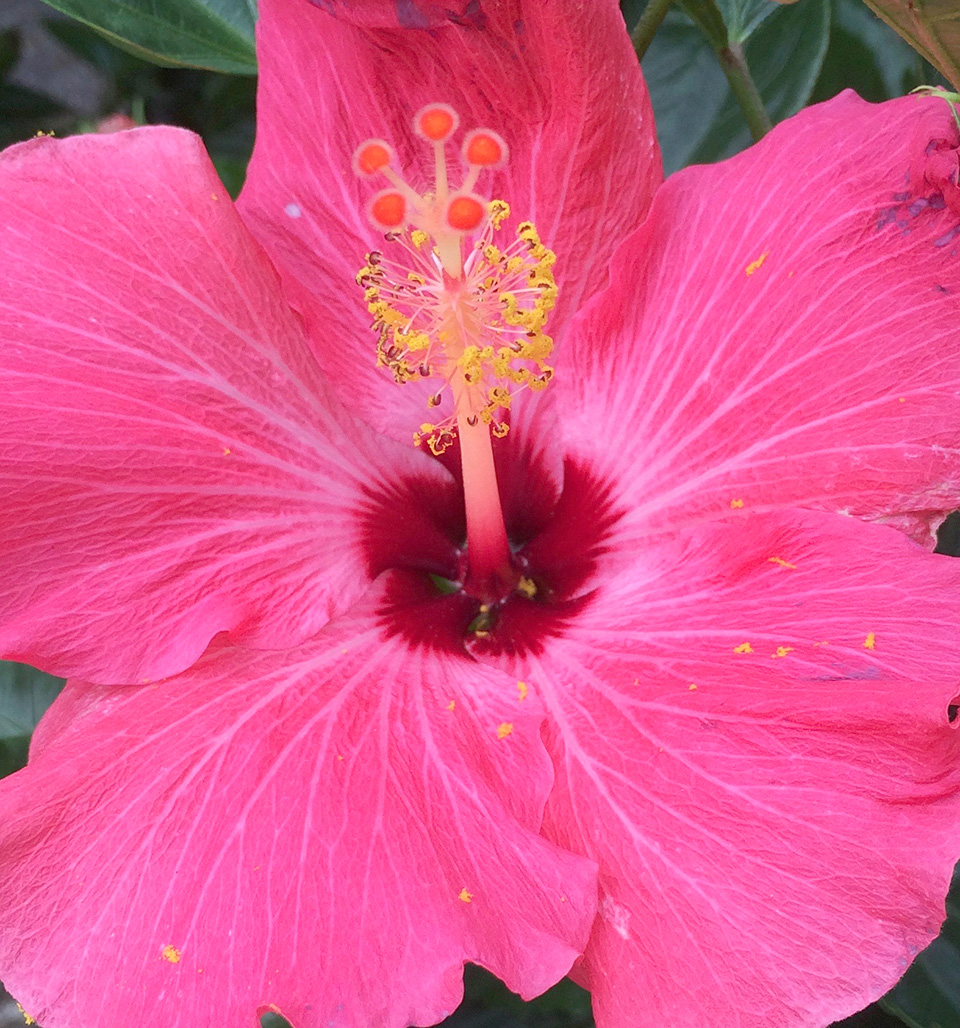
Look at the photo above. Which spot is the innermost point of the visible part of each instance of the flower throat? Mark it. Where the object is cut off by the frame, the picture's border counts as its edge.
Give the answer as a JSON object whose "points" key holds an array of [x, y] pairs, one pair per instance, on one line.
{"points": [[450, 302]]}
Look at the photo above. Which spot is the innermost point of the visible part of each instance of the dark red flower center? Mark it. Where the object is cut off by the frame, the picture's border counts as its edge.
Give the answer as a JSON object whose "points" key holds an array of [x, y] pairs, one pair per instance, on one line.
{"points": [[557, 546]]}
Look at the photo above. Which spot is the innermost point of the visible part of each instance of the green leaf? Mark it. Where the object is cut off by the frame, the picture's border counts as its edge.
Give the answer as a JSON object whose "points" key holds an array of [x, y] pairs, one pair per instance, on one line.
{"points": [[214, 34], [24, 696], [631, 11], [932, 27], [697, 118], [24, 113], [868, 56], [744, 17], [928, 995]]}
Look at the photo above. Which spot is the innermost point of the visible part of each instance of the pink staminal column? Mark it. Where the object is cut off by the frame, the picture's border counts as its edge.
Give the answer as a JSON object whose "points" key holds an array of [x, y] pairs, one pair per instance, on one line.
{"points": [[490, 571], [449, 303]]}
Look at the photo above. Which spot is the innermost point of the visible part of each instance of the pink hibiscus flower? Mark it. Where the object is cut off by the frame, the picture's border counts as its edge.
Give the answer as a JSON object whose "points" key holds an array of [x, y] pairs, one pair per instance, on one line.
{"points": [[691, 735]]}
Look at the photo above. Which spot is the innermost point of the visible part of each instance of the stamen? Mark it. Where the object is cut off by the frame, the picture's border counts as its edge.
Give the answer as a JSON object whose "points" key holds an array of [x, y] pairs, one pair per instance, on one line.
{"points": [[451, 303]]}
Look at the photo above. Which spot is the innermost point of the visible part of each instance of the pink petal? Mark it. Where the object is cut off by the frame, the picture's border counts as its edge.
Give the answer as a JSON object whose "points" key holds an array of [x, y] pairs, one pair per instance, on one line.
{"points": [[783, 330], [328, 832], [557, 78], [170, 460], [411, 14], [752, 739]]}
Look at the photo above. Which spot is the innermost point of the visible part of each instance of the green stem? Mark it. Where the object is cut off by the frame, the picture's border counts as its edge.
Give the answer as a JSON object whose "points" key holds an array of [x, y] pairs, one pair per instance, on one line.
{"points": [[744, 89], [650, 21]]}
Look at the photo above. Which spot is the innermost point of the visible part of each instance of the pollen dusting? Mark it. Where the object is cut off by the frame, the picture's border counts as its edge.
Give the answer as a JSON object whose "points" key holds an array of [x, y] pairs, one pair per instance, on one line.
{"points": [[452, 705], [757, 264], [870, 643], [527, 587], [692, 686], [522, 690], [504, 729], [171, 954], [464, 896], [743, 648], [782, 651], [27, 1019], [736, 504], [449, 299], [783, 563]]}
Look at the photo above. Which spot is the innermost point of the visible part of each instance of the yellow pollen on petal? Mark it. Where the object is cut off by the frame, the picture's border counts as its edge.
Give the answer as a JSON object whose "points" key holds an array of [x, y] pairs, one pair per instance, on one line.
{"points": [[522, 690], [452, 705], [171, 954], [504, 729], [464, 896], [782, 651], [870, 643], [743, 648], [451, 301], [783, 563], [692, 686], [736, 504], [757, 264]]}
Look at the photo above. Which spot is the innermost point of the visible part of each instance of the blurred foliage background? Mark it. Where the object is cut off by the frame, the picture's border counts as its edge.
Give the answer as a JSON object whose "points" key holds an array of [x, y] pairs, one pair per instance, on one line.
{"points": [[98, 65]]}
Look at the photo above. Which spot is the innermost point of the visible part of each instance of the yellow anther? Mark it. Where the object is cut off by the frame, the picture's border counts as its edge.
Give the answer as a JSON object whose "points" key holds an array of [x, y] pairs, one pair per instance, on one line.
{"points": [[499, 212], [483, 327], [528, 588]]}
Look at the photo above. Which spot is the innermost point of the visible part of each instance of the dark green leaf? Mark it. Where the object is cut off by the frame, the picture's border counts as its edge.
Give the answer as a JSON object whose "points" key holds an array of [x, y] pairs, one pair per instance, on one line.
{"points": [[24, 696], [706, 15], [9, 51], [213, 34], [743, 17], [932, 27], [928, 995], [631, 11], [697, 118], [488, 1003], [867, 55]]}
